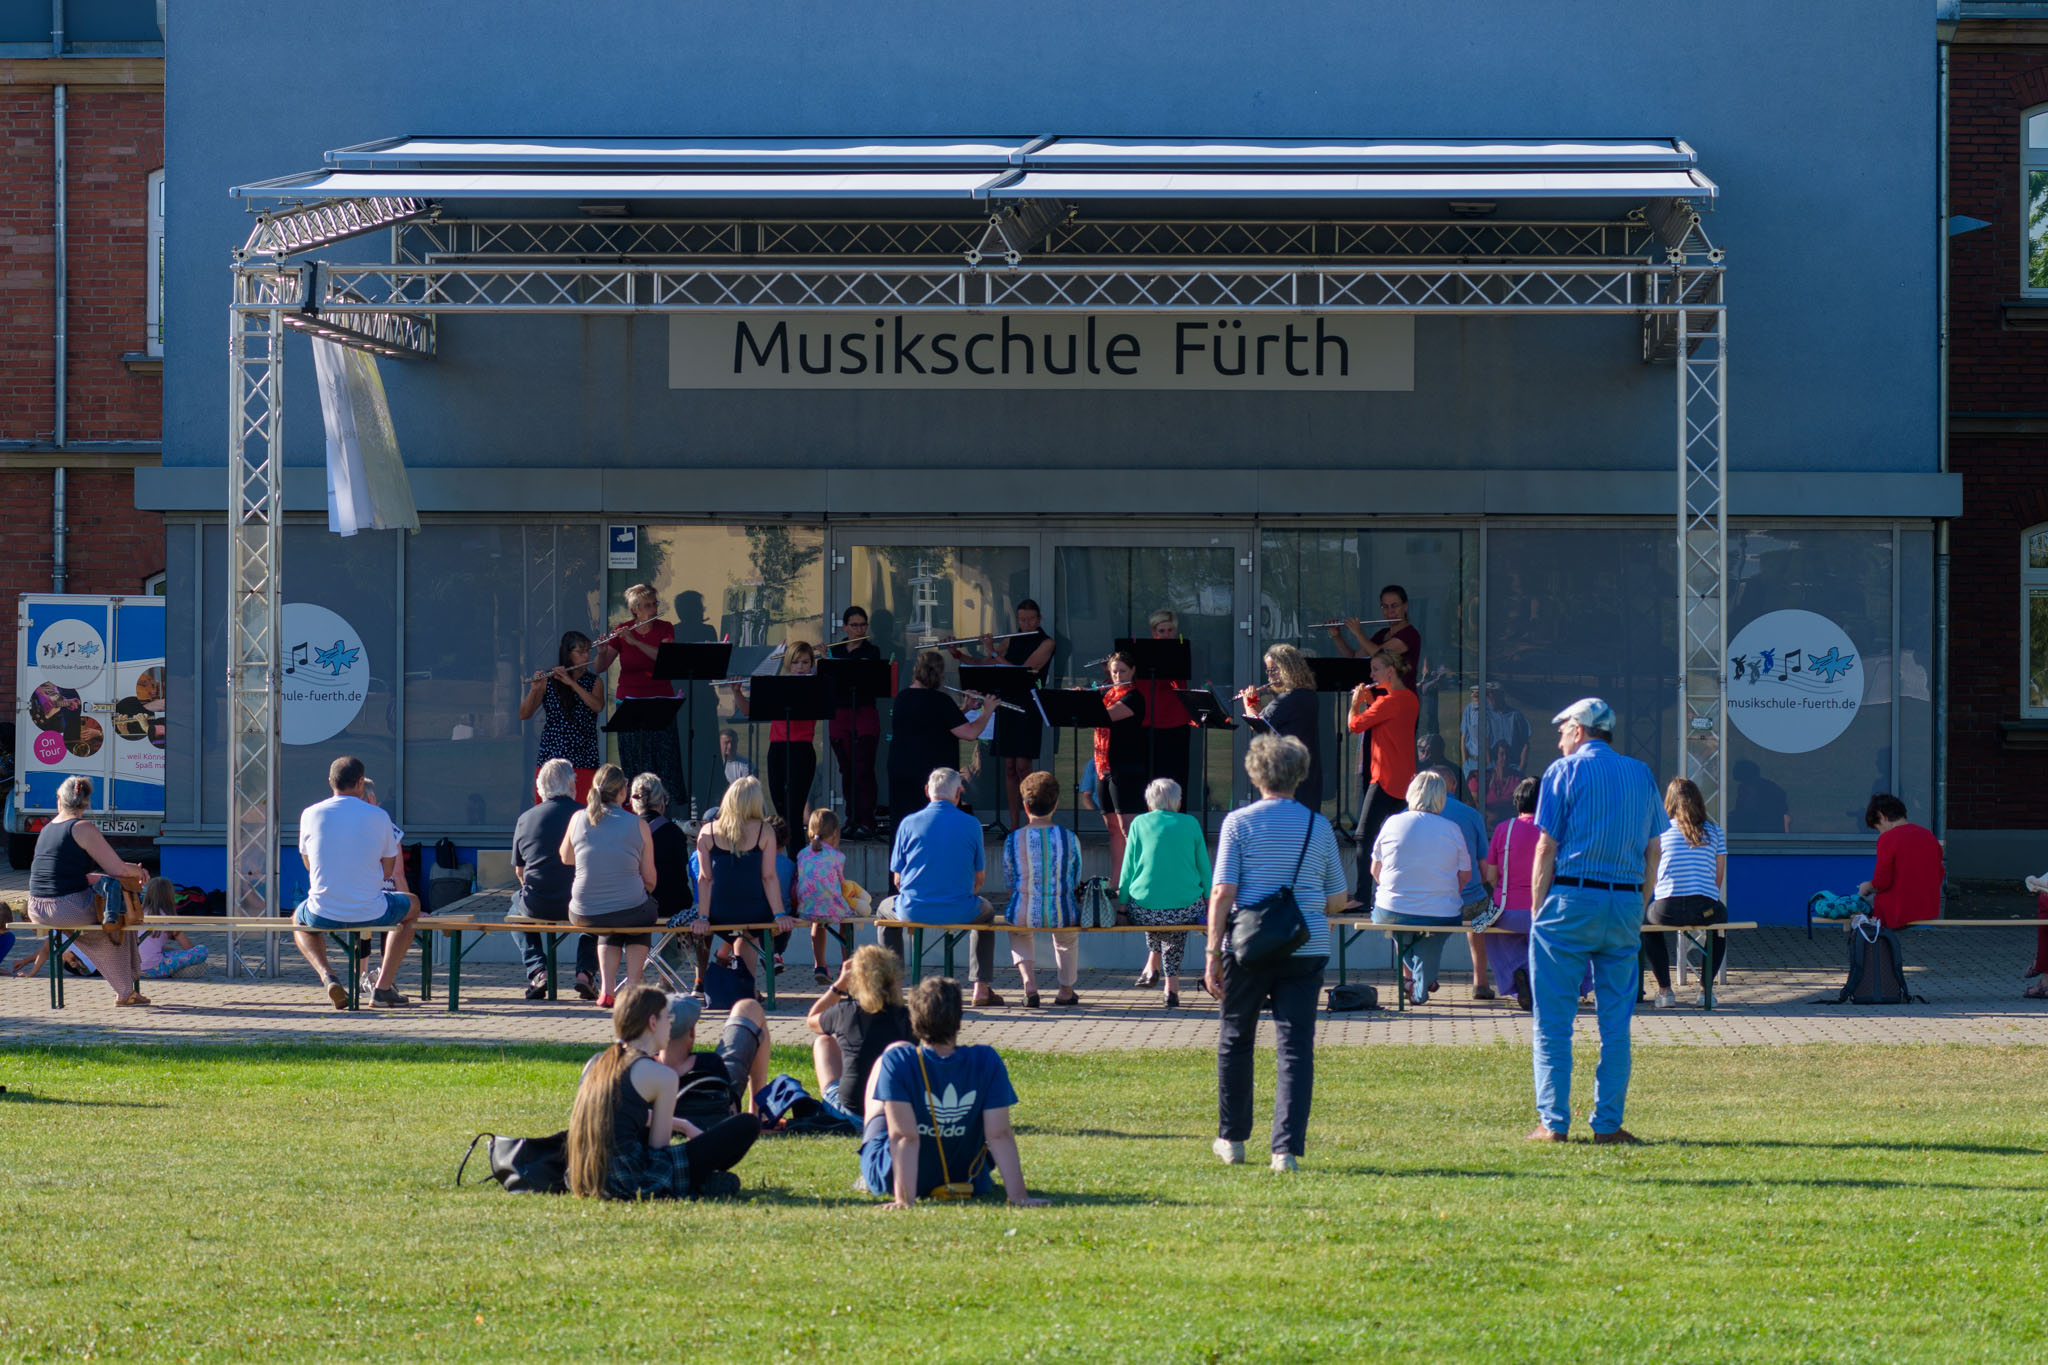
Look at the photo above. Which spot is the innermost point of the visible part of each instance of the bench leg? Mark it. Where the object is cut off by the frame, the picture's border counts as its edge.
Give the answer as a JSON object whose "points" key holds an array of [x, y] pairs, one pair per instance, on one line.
{"points": [[1394, 960], [352, 944], [1343, 942], [845, 944], [454, 970], [951, 940], [551, 944], [426, 938], [56, 942], [916, 956], [768, 968]]}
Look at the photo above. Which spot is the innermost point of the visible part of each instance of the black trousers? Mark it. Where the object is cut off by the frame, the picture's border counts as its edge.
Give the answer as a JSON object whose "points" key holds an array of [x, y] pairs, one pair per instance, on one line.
{"points": [[1379, 807], [791, 766], [533, 949], [720, 1147], [1657, 951], [856, 755], [1291, 988]]}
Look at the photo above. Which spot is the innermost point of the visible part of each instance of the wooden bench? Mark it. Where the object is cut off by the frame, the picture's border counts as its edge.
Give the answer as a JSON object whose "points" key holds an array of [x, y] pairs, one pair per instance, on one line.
{"points": [[1347, 928], [351, 939], [950, 935]]}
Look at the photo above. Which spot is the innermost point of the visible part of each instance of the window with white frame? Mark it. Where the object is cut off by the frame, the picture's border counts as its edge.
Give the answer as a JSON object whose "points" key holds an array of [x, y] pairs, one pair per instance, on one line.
{"points": [[154, 586], [2034, 621], [155, 303]]}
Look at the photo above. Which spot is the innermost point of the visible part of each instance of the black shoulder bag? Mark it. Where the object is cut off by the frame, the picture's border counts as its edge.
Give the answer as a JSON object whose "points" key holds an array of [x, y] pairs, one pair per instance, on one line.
{"points": [[1272, 926]]}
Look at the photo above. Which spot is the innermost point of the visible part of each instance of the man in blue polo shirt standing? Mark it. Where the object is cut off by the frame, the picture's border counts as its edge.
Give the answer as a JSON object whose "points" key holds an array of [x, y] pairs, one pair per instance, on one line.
{"points": [[938, 866], [1596, 861]]}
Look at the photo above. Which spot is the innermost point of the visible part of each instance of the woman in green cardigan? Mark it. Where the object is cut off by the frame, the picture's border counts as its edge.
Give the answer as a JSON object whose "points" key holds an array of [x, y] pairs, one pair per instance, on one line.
{"points": [[1165, 881]]}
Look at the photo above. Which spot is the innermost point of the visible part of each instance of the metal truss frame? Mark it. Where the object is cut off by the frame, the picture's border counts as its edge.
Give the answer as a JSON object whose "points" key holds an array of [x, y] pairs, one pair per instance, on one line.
{"points": [[1658, 266]]}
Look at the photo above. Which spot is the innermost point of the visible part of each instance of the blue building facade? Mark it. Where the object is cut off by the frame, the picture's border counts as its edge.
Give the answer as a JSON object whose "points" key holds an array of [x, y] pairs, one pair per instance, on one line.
{"points": [[1514, 474]]}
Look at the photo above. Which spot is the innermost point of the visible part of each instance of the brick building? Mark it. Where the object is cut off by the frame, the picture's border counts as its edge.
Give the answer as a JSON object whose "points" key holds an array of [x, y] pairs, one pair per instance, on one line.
{"points": [[85, 83], [1998, 438]]}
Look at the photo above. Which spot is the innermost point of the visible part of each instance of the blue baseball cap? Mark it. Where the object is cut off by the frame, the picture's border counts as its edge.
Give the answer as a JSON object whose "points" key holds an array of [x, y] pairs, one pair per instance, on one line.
{"points": [[1590, 712]]}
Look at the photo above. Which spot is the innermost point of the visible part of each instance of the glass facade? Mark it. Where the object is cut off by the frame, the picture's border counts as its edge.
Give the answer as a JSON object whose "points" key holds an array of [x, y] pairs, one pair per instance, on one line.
{"points": [[1517, 620]]}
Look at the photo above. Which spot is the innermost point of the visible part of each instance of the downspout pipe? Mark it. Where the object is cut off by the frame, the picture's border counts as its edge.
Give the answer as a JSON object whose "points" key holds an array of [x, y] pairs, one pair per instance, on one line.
{"points": [[1947, 13], [59, 271]]}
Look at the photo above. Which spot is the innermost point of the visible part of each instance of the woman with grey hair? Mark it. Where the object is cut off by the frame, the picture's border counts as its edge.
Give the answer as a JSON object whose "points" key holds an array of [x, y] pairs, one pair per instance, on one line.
{"points": [[1419, 864], [71, 856], [1165, 881], [672, 890], [1264, 847]]}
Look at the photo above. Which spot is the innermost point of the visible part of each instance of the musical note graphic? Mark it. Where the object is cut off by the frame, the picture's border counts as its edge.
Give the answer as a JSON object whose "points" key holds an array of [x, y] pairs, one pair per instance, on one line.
{"points": [[1790, 655], [297, 656]]}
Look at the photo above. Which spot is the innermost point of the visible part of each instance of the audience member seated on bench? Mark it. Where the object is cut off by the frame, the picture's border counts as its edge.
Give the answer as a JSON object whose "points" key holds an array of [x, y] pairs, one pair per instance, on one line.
{"points": [[737, 880], [1692, 876], [623, 1128], [1042, 863], [1165, 881], [1510, 864], [857, 1017], [938, 1115], [612, 854], [1419, 864], [350, 847], [1905, 885], [545, 881], [819, 894], [939, 867], [72, 857], [741, 1057]]}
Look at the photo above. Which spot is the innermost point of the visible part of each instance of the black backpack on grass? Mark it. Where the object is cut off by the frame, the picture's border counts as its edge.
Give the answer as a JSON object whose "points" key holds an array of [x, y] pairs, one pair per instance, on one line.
{"points": [[1877, 970]]}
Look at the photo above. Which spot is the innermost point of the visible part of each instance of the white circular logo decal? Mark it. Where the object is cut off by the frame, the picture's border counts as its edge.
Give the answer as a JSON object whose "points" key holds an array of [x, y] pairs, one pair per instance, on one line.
{"points": [[70, 653], [326, 675], [1795, 681]]}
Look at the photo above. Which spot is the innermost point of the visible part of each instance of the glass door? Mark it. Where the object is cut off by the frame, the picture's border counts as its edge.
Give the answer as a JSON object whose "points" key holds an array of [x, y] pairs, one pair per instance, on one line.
{"points": [[1116, 586], [919, 587]]}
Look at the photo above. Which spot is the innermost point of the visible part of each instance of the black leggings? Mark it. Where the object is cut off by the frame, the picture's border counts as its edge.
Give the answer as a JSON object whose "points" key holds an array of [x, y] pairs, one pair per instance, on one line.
{"points": [[1658, 952], [791, 766], [720, 1147], [1379, 807]]}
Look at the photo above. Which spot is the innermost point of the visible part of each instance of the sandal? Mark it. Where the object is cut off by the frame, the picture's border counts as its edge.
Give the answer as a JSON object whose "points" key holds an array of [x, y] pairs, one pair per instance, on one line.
{"points": [[585, 989], [132, 999], [2037, 991], [1070, 1002], [1031, 1000], [993, 1002], [1147, 980]]}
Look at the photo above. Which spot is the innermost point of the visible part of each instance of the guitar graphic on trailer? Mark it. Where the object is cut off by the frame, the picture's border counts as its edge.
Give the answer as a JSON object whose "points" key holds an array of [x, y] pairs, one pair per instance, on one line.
{"points": [[336, 661]]}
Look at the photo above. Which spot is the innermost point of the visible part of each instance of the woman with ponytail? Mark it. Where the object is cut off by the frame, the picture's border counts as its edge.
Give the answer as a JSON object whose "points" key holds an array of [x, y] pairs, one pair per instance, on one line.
{"points": [[625, 1141], [612, 854], [1692, 872]]}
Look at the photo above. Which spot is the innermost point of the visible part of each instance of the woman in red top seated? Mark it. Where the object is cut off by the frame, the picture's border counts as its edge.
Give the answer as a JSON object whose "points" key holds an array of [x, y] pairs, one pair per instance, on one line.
{"points": [[1905, 888]]}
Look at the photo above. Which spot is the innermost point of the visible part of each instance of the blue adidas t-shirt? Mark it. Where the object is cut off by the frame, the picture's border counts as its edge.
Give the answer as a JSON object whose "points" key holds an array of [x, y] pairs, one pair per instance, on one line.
{"points": [[964, 1086]]}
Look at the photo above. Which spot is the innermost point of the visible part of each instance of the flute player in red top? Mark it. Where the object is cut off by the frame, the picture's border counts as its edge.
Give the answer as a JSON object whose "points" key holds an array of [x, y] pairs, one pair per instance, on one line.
{"points": [[1386, 711]]}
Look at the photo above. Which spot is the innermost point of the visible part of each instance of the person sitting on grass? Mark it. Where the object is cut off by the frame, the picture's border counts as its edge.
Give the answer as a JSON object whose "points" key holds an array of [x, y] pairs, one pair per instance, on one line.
{"points": [[741, 1057], [937, 1113], [623, 1129], [350, 847], [857, 1017]]}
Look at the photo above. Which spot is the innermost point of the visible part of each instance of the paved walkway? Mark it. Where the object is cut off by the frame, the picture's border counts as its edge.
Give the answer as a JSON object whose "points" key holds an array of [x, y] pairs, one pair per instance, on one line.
{"points": [[1970, 976]]}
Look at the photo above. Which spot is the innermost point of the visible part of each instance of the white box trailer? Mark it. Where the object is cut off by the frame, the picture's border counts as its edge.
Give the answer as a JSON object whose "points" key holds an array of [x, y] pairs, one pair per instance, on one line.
{"points": [[89, 698]]}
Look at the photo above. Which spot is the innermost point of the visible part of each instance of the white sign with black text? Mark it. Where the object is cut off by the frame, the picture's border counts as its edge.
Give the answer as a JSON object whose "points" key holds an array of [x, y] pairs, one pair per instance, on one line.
{"points": [[1272, 352]]}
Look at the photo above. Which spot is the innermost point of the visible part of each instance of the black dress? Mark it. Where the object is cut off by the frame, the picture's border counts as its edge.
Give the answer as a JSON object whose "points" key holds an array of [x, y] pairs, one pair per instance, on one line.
{"points": [[1020, 736], [1127, 752], [921, 738], [1295, 714]]}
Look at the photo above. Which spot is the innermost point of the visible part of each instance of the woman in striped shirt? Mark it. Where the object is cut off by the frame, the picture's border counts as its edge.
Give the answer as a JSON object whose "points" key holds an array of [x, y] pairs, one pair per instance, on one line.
{"points": [[1692, 869], [1043, 864]]}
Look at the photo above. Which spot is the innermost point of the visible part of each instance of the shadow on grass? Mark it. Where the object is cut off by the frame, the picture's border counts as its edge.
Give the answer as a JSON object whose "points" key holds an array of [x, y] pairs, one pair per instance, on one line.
{"points": [[778, 1197], [1966, 1148], [12, 1096], [1038, 1130], [1825, 1183]]}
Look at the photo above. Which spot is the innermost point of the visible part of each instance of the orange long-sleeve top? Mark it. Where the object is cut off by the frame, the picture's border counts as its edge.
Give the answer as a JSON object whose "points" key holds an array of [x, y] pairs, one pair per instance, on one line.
{"points": [[1390, 721]]}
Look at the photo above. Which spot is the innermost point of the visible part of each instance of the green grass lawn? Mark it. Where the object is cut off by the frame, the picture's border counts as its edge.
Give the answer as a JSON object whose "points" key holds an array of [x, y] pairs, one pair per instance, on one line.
{"points": [[1798, 1204]]}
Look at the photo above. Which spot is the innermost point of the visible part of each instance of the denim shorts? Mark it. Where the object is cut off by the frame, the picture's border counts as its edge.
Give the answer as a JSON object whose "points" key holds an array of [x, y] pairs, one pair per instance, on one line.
{"points": [[397, 905]]}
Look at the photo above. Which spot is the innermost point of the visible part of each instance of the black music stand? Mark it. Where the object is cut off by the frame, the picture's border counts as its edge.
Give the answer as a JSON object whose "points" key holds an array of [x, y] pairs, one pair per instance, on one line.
{"points": [[1012, 683], [1210, 713], [1157, 661], [855, 683], [1340, 675], [1077, 708], [692, 663], [787, 697]]}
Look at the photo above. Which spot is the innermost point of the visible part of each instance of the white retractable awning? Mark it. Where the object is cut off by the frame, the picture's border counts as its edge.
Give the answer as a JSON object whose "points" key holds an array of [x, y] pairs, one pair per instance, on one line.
{"points": [[999, 169]]}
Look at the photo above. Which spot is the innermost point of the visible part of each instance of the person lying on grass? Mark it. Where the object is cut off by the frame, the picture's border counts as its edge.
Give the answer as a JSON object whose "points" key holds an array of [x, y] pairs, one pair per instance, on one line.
{"points": [[623, 1131], [937, 1112], [741, 1057]]}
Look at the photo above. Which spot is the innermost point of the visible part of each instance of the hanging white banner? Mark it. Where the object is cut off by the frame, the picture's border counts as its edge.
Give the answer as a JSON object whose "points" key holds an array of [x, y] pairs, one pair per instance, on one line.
{"points": [[1292, 353]]}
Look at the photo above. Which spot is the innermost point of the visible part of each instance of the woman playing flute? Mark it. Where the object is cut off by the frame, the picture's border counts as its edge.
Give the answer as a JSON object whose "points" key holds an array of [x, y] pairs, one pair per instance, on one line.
{"points": [[571, 696], [1290, 711], [634, 645], [1019, 735]]}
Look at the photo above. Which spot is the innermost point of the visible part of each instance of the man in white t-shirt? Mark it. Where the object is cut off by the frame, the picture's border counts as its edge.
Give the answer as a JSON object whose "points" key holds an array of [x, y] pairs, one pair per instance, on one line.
{"points": [[350, 847]]}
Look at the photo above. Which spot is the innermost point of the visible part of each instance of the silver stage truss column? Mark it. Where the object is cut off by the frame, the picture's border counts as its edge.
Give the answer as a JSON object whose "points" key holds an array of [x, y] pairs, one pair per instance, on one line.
{"points": [[1702, 364], [255, 525]]}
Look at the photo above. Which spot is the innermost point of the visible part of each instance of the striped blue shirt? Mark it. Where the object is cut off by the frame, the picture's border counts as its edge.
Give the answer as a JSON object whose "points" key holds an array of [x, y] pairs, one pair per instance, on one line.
{"points": [[1602, 811], [1043, 865], [1256, 853], [1682, 869]]}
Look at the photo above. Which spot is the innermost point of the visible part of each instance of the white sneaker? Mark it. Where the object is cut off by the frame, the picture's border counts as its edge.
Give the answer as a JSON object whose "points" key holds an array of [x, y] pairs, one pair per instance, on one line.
{"points": [[1285, 1162], [1665, 1001], [1230, 1153]]}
